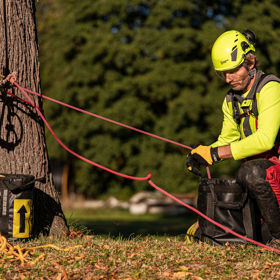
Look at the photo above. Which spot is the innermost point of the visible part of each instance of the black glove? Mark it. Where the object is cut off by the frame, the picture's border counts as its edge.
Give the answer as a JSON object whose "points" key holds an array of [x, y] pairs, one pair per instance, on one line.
{"points": [[201, 156]]}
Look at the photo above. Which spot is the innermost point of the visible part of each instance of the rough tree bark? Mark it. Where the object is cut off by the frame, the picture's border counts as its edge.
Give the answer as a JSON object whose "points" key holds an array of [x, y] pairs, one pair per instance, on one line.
{"points": [[22, 137]]}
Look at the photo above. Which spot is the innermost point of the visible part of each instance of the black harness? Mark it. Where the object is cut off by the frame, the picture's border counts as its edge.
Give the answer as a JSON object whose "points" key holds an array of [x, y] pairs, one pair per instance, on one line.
{"points": [[236, 98]]}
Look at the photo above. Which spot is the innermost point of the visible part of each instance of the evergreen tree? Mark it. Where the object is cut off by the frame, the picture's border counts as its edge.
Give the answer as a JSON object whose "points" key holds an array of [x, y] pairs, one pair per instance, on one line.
{"points": [[146, 64]]}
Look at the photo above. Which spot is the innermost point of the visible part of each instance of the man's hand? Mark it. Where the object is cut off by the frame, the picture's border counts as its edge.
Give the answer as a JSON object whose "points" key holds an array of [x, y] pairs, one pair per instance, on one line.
{"points": [[201, 156], [192, 165]]}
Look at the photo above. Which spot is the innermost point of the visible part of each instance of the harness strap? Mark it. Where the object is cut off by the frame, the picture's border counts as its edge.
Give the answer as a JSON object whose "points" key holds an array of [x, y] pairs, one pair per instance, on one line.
{"points": [[255, 86], [236, 98]]}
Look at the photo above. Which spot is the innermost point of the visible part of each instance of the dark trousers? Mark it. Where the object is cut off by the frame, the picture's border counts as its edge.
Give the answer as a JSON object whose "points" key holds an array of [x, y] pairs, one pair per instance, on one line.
{"points": [[252, 175]]}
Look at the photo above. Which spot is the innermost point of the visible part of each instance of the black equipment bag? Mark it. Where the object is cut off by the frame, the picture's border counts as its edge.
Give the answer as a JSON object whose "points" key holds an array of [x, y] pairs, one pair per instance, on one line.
{"points": [[227, 203], [16, 206]]}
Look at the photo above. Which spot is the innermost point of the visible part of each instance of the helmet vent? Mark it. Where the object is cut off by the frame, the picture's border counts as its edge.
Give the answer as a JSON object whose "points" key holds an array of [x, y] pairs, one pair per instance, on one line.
{"points": [[234, 55], [244, 46]]}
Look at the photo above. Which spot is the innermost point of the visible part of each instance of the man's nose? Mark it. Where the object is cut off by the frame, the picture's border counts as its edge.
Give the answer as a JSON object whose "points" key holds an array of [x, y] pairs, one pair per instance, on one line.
{"points": [[228, 77]]}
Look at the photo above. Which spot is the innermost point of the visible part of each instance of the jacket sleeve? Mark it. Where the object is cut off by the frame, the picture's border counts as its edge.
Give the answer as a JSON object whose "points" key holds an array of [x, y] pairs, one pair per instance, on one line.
{"points": [[268, 124], [230, 132]]}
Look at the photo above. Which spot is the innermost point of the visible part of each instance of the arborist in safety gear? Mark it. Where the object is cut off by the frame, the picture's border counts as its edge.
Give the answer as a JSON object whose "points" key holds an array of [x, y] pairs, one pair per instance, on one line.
{"points": [[250, 127]]}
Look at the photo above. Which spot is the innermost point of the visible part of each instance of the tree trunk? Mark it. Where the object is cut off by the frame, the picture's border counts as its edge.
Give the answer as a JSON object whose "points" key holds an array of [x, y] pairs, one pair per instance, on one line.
{"points": [[22, 137]]}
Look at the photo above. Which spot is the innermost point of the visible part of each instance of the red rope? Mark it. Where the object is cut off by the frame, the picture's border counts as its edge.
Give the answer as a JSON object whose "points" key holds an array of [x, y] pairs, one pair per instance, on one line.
{"points": [[109, 120], [114, 122], [74, 153], [148, 177], [212, 221]]}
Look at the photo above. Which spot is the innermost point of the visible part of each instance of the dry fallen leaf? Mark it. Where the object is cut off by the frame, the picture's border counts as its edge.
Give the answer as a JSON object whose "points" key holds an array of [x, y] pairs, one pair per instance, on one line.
{"points": [[22, 277], [181, 274], [186, 248], [167, 274], [267, 265], [256, 276], [81, 256], [196, 277], [184, 267], [97, 265]]}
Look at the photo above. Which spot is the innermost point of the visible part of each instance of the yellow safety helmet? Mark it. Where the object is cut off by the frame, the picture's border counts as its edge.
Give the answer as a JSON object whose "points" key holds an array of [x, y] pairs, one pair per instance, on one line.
{"points": [[230, 49]]}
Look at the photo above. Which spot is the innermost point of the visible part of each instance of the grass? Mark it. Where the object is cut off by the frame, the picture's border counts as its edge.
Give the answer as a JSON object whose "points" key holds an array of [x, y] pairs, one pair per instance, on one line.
{"points": [[108, 253], [122, 223]]}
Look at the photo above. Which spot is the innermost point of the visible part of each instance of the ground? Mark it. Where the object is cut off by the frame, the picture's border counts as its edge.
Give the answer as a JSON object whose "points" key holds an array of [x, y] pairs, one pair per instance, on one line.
{"points": [[98, 249]]}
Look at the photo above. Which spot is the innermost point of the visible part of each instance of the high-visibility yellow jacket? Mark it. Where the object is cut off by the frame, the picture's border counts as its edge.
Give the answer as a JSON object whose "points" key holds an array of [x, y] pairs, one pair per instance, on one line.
{"points": [[251, 134]]}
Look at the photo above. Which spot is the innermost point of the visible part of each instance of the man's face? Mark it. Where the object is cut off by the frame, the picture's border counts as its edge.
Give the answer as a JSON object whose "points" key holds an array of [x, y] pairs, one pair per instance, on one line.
{"points": [[238, 78]]}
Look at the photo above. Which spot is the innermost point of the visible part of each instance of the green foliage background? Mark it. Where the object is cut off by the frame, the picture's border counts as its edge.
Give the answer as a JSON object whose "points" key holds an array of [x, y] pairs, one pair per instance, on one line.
{"points": [[146, 64]]}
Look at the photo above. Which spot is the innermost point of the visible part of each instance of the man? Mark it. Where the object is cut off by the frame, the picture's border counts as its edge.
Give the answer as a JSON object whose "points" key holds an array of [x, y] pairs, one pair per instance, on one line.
{"points": [[251, 125]]}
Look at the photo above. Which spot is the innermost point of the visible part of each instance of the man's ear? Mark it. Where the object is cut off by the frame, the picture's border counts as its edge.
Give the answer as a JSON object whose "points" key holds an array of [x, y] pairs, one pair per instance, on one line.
{"points": [[252, 65]]}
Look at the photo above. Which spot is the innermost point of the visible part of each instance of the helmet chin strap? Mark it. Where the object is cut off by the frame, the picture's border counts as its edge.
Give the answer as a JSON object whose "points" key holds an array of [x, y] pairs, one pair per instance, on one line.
{"points": [[251, 73]]}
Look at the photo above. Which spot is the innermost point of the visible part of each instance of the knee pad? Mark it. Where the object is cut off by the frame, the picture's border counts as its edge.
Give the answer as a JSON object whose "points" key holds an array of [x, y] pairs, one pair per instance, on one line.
{"points": [[252, 174]]}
